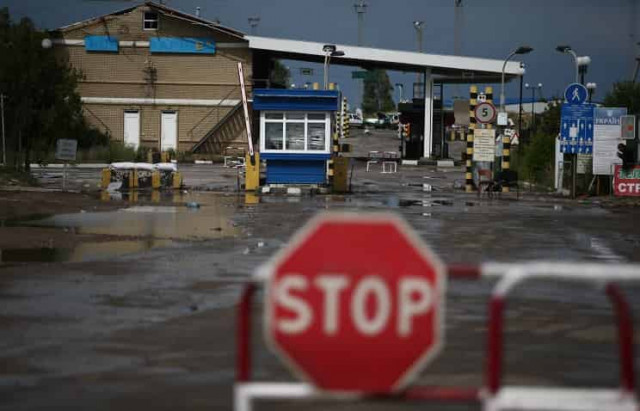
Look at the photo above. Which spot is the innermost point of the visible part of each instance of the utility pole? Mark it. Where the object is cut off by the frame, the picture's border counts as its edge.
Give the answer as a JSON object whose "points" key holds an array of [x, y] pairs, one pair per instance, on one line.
{"points": [[520, 107], [253, 23], [360, 9], [457, 26], [635, 72], [4, 146], [419, 26]]}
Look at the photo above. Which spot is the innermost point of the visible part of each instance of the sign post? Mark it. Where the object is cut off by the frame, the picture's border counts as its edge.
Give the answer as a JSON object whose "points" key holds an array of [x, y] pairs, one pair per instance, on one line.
{"points": [[66, 150], [576, 127], [355, 303]]}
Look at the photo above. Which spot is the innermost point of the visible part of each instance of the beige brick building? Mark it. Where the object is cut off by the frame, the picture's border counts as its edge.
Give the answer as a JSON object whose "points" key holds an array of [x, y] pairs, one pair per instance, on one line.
{"points": [[157, 77]]}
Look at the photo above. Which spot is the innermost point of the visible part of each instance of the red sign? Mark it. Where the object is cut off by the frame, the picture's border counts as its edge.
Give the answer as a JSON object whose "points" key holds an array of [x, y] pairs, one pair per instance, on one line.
{"points": [[626, 183], [356, 303]]}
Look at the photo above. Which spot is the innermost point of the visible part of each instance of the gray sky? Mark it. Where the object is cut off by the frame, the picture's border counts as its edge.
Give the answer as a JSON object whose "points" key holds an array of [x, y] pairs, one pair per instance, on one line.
{"points": [[606, 30]]}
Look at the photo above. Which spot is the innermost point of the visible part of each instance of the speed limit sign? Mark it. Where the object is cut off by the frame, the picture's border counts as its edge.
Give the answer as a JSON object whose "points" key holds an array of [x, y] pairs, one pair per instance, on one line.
{"points": [[485, 113]]}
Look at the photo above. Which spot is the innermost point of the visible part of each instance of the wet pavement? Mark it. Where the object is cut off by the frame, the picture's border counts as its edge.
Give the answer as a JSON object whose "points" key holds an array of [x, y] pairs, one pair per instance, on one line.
{"points": [[146, 319]]}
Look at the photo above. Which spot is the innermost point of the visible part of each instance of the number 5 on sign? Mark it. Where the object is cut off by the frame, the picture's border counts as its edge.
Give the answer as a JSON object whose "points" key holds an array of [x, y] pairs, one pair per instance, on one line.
{"points": [[485, 113]]}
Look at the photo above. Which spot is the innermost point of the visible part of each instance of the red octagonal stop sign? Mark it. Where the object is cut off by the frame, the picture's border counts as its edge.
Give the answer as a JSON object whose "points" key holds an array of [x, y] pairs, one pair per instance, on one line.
{"points": [[355, 303]]}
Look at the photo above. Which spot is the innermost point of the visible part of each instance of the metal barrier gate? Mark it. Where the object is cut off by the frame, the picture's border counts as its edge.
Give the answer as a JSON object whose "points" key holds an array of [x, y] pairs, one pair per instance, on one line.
{"points": [[493, 396]]}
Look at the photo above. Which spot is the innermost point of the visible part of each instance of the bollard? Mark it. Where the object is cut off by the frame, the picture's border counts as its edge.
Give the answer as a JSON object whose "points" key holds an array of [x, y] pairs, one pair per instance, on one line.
{"points": [[105, 178], [133, 179], [177, 179], [252, 172], [155, 179], [340, 174]]}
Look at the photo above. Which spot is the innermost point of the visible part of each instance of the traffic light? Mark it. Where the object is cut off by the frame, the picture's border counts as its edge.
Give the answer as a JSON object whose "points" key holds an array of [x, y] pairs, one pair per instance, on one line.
{"points": [[626, 155], [406, 130]]}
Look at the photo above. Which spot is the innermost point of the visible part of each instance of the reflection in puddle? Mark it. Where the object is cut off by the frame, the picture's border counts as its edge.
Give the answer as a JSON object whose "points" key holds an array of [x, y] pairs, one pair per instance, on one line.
{"points": [[425, 202], [211, 220], [81, 252]]}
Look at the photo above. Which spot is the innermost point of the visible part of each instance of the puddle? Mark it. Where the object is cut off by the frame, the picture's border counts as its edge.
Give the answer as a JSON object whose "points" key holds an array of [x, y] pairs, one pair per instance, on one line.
{"points": [[83, 252], [210, 220], [425, 203]]}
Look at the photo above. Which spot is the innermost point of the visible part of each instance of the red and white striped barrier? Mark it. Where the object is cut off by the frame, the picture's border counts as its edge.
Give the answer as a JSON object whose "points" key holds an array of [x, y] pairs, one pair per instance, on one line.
{"points": [[493, 396]]}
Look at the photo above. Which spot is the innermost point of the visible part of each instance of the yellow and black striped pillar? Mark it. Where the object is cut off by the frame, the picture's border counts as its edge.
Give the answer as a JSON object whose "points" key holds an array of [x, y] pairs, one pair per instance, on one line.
{"points": [[345, 119], [473, 96], [506, 157], [488, 92]]}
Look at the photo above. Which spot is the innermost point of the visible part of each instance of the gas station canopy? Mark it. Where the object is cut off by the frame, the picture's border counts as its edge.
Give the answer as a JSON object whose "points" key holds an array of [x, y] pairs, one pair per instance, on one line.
{"points": [[444, 68]]}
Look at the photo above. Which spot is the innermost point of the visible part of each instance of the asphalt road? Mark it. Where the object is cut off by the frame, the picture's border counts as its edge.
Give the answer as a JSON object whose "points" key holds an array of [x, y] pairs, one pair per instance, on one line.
{"points": [[151, 326]]}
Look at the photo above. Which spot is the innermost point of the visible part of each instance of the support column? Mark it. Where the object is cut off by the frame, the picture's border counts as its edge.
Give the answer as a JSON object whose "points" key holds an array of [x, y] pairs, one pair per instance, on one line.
{"points": [[428, 114]]}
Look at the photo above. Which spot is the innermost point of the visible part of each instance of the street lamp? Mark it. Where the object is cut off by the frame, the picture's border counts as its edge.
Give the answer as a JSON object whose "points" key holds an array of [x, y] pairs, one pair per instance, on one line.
{"points": [[329, 51], [533, 88], [591, 88], [567, 50], [360, 9], [580, 62], [253, 23], [419, 26], [400, 88], [522, 72], [519, 50]]}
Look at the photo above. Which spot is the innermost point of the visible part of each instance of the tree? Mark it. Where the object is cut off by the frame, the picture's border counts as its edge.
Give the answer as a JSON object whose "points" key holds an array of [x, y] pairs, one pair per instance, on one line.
{"points": [[538, 155], [624, 94], [280, 76], [377, 92], [42, 103]]}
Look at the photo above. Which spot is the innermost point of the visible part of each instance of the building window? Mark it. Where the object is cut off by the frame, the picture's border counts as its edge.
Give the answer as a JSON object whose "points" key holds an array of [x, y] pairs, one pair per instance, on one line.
{"points": [[150, 20], [294, 131]]}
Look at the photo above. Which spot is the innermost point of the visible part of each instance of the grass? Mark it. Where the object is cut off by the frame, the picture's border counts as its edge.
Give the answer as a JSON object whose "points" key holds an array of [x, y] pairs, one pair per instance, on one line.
{"points": [[12, 177]]}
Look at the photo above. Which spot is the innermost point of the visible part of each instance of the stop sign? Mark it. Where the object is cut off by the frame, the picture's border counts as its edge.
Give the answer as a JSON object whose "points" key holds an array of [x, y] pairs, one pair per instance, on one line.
{"points": [[355, 303]]}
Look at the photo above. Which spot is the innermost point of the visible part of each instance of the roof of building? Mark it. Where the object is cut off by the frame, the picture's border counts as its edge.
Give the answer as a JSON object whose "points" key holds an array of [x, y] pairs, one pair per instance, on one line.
{"points": [[446, 68], [295, 99], [161, 8]]}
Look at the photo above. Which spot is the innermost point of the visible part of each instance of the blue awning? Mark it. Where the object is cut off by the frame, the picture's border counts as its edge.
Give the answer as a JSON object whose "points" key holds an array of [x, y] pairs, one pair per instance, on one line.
{"points": [[296, 100], [183, 45], [101, 43]]}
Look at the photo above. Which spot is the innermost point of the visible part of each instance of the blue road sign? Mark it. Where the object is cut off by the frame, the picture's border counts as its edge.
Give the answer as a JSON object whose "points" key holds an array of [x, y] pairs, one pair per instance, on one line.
{"points": [[576, 128], [576, 93]]}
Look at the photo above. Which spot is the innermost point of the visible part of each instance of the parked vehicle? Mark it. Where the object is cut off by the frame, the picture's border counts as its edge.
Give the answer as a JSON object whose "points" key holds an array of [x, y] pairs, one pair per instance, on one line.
{"points": [[355, 121]]}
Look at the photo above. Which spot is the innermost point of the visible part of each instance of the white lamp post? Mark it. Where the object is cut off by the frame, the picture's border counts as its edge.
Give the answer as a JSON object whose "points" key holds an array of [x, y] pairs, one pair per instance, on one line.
{"points": [[329, 51], [519, 50]]}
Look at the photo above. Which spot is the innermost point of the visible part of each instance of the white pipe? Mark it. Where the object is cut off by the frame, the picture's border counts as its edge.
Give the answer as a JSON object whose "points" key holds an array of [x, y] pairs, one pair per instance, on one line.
{"points": [[139, 44], [160, 101]]}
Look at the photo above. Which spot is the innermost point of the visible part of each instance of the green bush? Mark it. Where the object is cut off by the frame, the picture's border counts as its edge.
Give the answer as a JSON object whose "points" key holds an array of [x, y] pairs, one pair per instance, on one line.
{"points": [[536, 161], [115, 151]]}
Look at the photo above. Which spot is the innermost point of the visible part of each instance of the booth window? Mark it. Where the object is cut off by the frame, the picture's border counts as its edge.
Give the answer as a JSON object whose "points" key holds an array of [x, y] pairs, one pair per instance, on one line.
{"points": [[295, 131]]}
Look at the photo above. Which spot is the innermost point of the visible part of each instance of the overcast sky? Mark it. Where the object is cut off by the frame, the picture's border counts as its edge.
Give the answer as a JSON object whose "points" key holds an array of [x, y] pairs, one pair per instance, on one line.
{"points": [[606, 30]]}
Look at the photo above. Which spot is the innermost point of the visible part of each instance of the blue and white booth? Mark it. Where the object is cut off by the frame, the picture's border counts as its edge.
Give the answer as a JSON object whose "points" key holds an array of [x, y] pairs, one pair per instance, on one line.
{"points": [[295, 133]]}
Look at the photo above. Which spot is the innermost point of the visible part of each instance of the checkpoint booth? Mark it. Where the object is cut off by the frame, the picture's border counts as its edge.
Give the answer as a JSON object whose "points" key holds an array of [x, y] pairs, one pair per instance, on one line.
{"points": [[296, 133]]}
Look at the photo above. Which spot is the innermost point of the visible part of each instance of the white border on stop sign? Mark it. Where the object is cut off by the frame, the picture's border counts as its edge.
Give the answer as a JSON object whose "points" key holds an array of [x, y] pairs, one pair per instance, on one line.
{"points": [[266, 271]]}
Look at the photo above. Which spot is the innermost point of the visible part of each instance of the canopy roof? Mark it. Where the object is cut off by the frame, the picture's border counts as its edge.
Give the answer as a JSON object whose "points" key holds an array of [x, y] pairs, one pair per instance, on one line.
{"points": [[444, 68]]}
